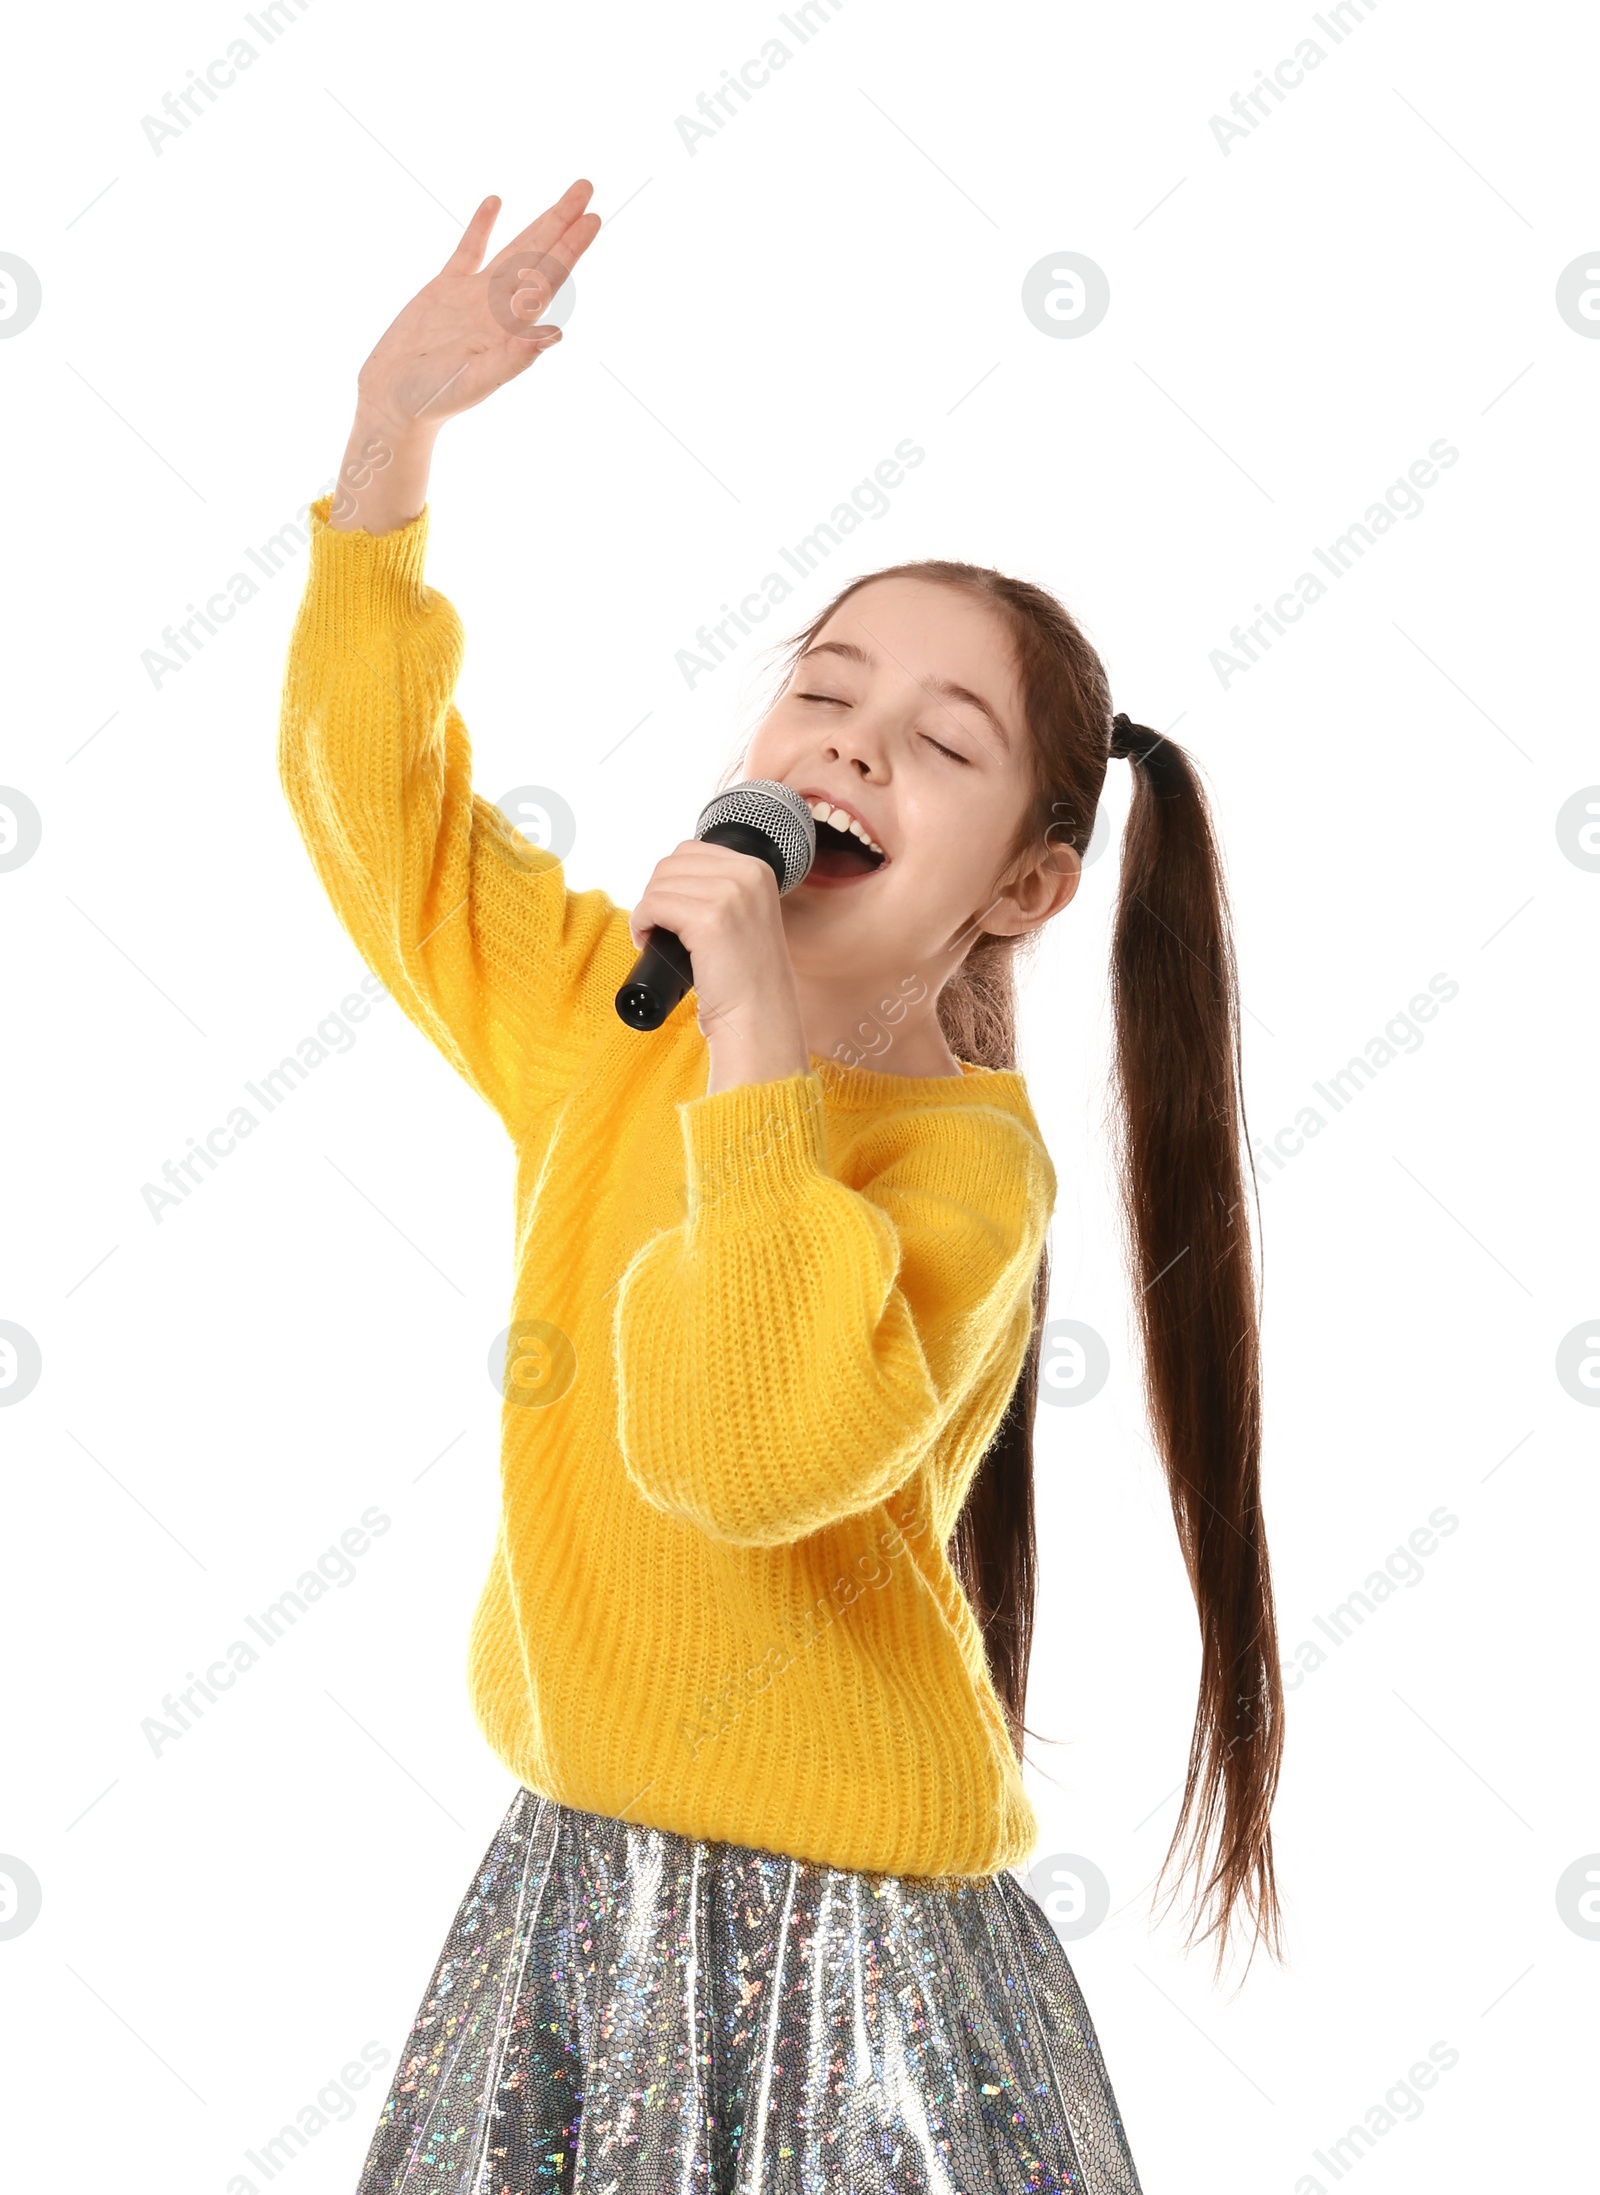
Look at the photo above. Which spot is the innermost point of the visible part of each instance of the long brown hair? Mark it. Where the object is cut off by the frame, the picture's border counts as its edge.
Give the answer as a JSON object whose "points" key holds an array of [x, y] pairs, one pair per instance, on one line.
{"points": [[1182, 1145]]}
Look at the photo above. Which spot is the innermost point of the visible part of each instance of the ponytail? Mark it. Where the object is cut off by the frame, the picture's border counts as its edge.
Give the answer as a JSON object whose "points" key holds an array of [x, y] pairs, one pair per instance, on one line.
{"points": [[1178, 1077], [1182, 1146]]}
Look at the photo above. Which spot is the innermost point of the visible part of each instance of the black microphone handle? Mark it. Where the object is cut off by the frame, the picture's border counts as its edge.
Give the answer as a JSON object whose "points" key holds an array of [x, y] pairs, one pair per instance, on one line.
{"points": [[663, 971]]}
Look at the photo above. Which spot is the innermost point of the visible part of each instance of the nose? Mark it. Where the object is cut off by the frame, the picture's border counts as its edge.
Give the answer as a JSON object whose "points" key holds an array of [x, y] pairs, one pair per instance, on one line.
{"points": [[860, 746]]}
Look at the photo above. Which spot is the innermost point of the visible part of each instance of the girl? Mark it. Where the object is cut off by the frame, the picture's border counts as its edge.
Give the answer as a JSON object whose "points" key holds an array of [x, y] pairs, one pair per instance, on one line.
{"points": [[755, 1636]]}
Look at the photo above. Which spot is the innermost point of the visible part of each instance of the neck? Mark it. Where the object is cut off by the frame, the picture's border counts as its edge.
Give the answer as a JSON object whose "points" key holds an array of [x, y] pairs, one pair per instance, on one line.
{"points": [[905, 1040]]}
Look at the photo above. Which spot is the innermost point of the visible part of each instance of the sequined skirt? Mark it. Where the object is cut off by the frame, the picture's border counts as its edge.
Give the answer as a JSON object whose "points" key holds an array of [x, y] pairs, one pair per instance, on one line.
{"points": [[620, 2010]]}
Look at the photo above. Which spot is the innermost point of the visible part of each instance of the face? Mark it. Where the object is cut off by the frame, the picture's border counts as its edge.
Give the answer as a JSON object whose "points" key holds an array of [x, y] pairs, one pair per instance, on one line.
{"points": [[907, 712]]}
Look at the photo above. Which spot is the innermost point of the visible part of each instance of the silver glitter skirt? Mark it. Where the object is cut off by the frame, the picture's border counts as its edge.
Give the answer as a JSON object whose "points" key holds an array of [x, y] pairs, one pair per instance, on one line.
{"points": [[621, 2010]]}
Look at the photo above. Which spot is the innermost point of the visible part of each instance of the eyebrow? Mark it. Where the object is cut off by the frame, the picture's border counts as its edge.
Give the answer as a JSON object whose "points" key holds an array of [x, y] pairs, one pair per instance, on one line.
{"points": [[942, 688]]}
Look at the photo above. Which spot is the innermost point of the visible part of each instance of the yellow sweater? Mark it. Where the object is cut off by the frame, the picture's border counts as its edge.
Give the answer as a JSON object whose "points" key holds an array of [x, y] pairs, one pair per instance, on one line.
{"points": [[760, 1339]]}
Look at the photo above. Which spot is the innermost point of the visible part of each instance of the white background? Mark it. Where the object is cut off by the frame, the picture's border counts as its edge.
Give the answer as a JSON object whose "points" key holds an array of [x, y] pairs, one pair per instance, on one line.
{"points": [[1292, 323]]}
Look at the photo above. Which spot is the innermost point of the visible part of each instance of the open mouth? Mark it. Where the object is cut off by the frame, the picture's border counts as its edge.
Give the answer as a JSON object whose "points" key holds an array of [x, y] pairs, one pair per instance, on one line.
{"points": [[841, 858]]}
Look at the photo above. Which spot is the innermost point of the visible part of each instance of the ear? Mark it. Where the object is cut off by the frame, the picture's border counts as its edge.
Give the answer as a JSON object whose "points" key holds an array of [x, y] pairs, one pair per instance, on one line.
{"points": [[1042, 886]]}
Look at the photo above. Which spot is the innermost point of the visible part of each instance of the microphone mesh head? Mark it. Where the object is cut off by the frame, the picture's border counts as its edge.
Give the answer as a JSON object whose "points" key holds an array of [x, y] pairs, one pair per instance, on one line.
{"points": [[778, 812]]}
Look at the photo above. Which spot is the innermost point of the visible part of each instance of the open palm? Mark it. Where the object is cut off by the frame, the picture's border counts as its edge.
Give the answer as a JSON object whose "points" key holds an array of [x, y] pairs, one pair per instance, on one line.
{"points": [[474, 326]]}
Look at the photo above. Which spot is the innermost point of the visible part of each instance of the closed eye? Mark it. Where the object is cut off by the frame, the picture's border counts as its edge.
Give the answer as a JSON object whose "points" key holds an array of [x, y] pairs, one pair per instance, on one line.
{"points": [[835, 701]]}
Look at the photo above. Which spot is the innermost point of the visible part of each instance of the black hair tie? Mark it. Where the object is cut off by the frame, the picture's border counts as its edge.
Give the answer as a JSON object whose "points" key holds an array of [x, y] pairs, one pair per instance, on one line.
{"points": [[1131, 742]]}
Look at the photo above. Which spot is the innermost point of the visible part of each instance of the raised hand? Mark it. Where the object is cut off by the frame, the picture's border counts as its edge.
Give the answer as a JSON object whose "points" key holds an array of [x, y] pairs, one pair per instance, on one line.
{"points": [[464, 334], [474, 327]]}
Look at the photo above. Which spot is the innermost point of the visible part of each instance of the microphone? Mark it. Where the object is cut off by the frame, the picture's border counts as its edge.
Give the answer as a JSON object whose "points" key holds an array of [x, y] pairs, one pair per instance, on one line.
{"points": [[759, 817]]}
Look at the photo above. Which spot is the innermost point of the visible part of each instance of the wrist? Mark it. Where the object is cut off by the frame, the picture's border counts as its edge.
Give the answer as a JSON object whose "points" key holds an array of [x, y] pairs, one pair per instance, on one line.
{"points": [[382, 481], [766, 1057], [392, 424]]}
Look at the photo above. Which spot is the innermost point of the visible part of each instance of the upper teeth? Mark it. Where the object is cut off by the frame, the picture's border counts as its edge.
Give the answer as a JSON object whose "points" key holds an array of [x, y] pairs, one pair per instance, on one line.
{"points": [[825, 812]]}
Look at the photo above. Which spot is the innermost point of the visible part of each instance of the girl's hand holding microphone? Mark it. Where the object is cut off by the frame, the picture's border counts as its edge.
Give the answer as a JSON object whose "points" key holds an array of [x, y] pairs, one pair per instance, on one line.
{"points": [[466, 332], [725, 907]]}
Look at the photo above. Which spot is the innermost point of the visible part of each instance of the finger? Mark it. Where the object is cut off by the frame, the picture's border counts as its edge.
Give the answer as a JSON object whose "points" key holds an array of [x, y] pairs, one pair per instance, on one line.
{"points": [[467, 257], [684, 908], [558, 262], [666, 905], [542, 232], [569, 248], [538, 275], [538, 279], [571, 245]]}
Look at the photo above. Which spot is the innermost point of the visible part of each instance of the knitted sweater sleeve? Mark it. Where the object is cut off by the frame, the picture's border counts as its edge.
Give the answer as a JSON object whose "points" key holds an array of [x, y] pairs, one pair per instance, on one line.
{"points": [[791, 1352], [470, 927]]}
